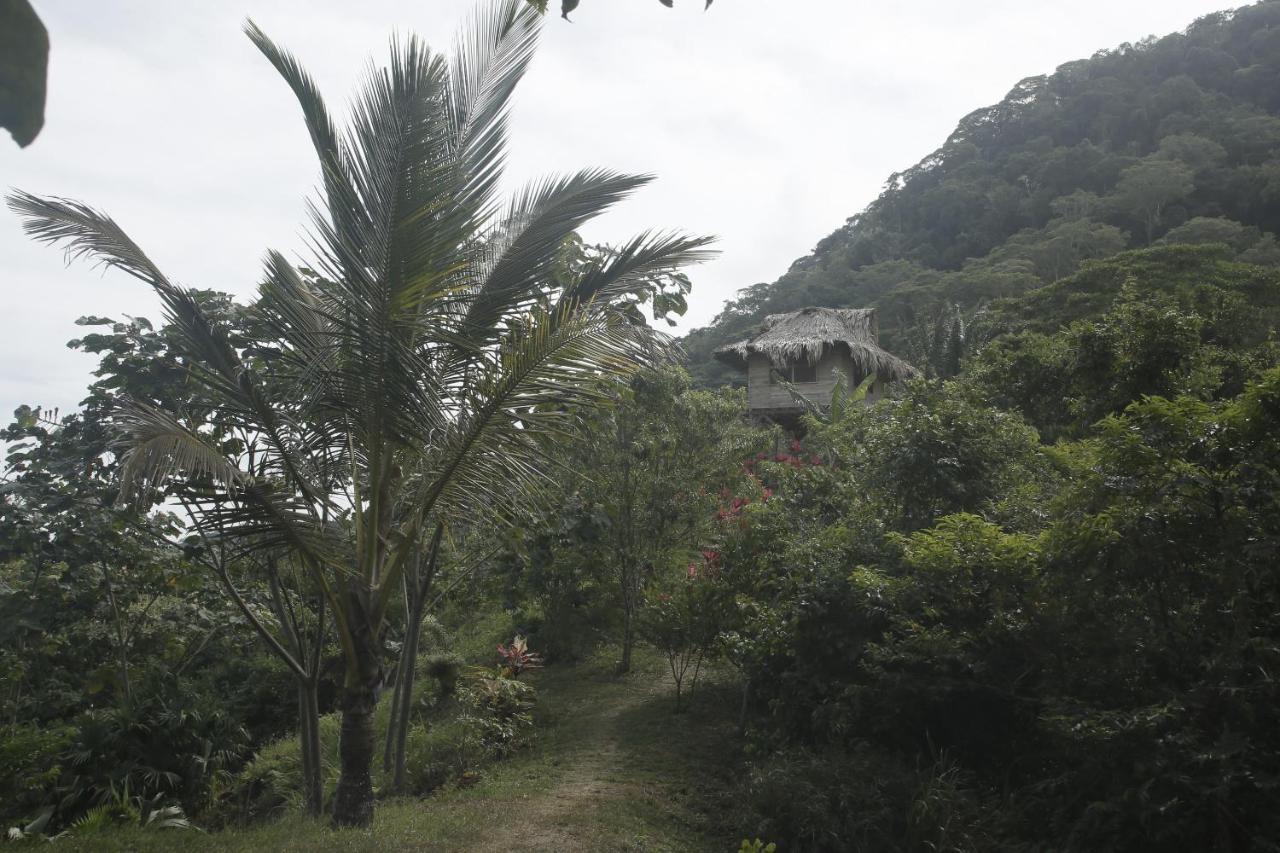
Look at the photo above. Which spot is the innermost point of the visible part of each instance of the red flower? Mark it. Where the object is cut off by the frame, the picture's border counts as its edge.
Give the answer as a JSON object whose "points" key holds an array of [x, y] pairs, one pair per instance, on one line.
{"points": [[692, 571], [795, 445], [815, 460], [768, 493]]}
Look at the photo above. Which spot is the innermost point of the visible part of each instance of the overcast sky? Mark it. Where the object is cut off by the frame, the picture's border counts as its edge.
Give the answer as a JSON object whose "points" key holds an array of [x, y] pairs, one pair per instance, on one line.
{"points": [[767, 122]]}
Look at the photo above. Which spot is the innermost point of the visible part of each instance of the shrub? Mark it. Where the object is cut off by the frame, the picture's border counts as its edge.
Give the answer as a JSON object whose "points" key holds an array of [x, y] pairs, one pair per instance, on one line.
{"points": [[271, 783], [868, 801], [32, 760], [439, 753], [444, 668]]}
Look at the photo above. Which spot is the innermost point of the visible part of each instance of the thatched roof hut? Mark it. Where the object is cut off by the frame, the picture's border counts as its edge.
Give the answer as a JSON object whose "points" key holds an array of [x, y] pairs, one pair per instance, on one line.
{"points": [[810, 348], [810, 332]]}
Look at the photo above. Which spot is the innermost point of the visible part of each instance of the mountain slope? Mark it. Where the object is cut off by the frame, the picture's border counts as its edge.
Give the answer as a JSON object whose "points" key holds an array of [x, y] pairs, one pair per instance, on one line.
{"points": [[1171, 140]]}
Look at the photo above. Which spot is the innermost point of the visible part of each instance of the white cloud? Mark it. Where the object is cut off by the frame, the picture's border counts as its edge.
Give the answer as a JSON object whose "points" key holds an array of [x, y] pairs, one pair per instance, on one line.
{"points": [[767, 122]]}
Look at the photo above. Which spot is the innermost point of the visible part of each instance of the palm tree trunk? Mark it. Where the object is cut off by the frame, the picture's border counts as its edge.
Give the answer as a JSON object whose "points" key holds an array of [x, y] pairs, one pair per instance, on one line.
{"points": [[309, 734], [353, 801], [392, 723], [420, 589], [405, 697]]}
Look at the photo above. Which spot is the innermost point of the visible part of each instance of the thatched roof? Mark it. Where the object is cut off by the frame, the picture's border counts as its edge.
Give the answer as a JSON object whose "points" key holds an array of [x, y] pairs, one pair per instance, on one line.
{"points": [[805, 334]]}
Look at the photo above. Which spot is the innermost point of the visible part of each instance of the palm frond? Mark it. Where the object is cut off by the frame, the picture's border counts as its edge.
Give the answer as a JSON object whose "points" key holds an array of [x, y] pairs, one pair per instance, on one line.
{"points": [[158, 447], [87, 233], [646, 255], [521, 252], [324, 138], [490, 57], [529, 391]]}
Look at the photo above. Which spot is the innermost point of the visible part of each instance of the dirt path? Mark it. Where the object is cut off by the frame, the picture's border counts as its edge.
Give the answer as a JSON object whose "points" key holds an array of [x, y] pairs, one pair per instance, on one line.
{"points": [[591, 776]]}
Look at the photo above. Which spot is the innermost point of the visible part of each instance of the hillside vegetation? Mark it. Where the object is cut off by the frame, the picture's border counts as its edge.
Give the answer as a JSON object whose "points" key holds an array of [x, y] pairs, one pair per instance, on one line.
{"points": [[1170, 140]]}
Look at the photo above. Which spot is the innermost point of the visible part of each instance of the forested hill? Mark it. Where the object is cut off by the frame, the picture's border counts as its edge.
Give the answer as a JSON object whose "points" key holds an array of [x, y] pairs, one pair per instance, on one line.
{"points": [[1171, 140]]}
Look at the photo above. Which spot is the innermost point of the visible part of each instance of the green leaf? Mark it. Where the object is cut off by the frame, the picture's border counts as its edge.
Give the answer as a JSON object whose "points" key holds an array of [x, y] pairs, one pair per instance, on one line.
{"points": [[24, 66]]}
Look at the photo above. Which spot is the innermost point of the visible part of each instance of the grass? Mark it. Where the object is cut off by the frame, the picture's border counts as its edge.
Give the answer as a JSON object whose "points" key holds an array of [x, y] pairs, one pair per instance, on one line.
{"points": [[612, 768]]}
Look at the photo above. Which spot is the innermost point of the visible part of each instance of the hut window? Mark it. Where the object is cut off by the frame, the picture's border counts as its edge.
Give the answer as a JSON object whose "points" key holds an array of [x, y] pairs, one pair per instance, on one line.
{"points": [[804, 371]]}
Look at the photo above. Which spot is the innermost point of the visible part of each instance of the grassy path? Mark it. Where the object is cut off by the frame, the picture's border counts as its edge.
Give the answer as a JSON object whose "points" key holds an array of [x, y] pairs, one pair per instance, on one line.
{"points": [[625, 773], [613, 769]]}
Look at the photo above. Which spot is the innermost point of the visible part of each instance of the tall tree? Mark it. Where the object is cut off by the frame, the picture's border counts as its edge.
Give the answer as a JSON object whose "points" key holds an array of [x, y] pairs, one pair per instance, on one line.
{"points": [[1149, 187], [422, 372]]}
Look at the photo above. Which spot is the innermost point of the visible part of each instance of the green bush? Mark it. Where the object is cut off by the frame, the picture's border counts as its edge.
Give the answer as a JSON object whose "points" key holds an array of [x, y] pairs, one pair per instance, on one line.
{"points": [[866, 800], [437, 754], [271, 783], [32, 758], [443, 668]]}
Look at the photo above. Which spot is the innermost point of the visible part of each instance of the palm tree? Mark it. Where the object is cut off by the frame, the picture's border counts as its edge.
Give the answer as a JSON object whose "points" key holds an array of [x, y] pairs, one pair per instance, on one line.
{"points": [[418, 374]]}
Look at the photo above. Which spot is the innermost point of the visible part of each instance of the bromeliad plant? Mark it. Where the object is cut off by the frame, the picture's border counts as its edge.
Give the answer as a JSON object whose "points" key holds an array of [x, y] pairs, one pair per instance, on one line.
{"points": [[420, 375], [516, 658]]}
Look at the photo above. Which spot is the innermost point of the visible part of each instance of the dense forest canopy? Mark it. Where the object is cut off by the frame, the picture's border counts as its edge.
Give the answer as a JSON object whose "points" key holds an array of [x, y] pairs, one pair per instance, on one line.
{"points": [[1170, 140]]}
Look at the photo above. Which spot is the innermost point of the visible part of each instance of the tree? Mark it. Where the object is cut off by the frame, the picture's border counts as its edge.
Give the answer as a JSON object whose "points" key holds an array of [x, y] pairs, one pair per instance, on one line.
{"points": [[655, 464], [1147, 188], [421, 376], [64, 479], [1213, 229]]}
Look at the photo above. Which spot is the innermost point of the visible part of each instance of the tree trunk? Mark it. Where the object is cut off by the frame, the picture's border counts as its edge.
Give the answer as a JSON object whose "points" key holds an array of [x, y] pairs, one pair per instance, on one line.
{"points": [[389, 744], [628, 637], [353, 801], [309, 734], [398, 729], [405, 697]]}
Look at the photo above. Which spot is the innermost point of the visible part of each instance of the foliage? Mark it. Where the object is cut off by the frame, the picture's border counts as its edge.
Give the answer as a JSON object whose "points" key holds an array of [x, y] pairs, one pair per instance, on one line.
{"points": [[1204, 338], [516, 657], [1081, 663], [679, 619], [640, 496], [24, 62]]}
